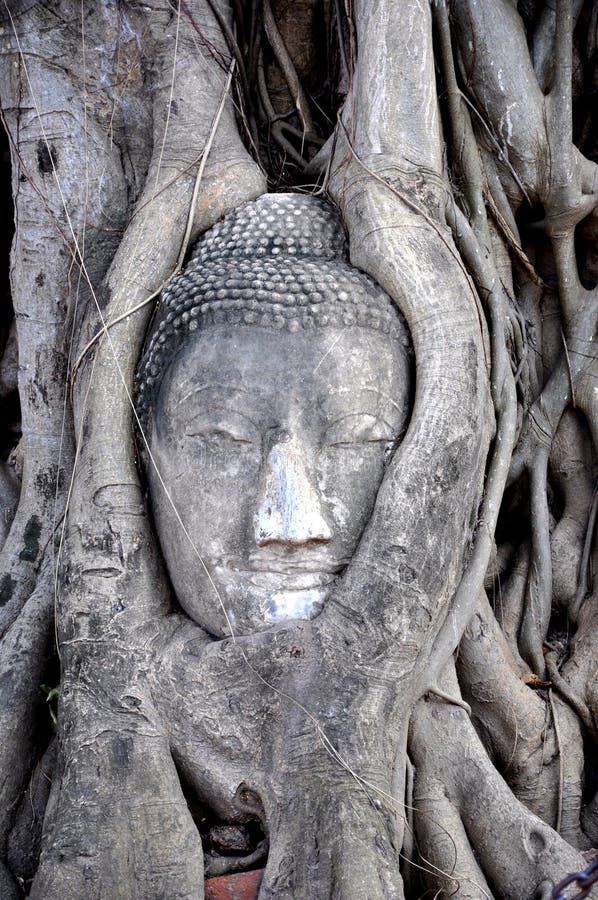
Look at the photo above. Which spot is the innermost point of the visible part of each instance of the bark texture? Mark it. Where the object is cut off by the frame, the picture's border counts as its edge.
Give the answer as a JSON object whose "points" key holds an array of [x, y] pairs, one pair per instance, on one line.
{"points": [[433, 731]]}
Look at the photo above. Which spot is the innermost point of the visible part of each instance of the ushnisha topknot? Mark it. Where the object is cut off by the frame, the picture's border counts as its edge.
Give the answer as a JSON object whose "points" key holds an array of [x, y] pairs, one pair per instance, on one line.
{"points": [[278, 262]]}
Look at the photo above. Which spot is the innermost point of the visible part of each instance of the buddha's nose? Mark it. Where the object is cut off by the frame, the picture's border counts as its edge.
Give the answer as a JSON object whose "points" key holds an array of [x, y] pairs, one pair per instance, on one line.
{"points": [[289, 510]]}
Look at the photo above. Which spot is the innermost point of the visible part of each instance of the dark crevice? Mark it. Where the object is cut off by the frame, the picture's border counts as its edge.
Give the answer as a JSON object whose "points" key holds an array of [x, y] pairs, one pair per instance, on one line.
{"points": [[10, 413], [237, 844]]}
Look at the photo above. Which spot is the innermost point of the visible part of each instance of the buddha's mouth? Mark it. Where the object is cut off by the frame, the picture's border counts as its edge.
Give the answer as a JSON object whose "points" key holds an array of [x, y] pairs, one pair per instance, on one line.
{"points": [[267, 589], [291, 582], [278, 573], [287, 579]]}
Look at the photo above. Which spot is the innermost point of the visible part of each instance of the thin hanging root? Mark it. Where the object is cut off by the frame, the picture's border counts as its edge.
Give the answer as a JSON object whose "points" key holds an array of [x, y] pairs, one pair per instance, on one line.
{"points": [[276, 125], [536, 616], [288, 69], [245, 109], [341, 42], [449, 698], [569, 695], [584, 568], [519, 256], [408, 839], [462, 132], [232, 45], [559, 742]]}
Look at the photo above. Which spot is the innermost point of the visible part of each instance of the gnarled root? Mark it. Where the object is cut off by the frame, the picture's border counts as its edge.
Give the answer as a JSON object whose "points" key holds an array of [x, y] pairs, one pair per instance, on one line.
{"points": [[515, 851], [541, 760]]}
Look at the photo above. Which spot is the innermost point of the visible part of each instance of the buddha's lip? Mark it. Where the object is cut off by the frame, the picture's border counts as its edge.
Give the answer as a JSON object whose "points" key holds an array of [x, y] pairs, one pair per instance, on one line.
{"points": [[291, 569], [318, 563], [267, 565], [289, 578]]}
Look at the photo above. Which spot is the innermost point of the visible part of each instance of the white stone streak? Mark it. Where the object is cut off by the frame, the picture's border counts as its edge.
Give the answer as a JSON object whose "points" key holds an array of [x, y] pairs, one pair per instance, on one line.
{"points": [[505, 125]]}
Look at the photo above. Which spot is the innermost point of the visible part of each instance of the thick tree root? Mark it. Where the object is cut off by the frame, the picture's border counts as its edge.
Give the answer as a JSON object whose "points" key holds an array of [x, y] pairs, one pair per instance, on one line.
{"points": [[541, 760], [23, 664], [515, 850]]}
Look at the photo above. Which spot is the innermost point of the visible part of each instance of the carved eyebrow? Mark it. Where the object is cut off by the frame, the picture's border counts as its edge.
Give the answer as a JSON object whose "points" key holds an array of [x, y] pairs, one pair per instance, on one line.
{"points": [[226, 397], [213, 386], [220, 414]]}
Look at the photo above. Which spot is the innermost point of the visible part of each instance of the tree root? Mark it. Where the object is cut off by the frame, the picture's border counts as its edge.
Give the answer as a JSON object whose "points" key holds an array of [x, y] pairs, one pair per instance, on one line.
{"points": [[446, 860], [510, 599], [578, 673], [136, 824], [24, 842], [148, 701], [571, 467], [288, 69], [515, 850], [25, 650], [569, 695]]}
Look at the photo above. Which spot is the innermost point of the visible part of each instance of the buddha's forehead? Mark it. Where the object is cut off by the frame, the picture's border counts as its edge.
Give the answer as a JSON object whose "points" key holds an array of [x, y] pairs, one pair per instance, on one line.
{"points": [[325, 367]]}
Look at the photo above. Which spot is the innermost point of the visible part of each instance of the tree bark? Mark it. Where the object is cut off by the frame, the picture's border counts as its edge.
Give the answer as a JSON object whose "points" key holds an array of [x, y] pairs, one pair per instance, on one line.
{"points": [[434, 728]]}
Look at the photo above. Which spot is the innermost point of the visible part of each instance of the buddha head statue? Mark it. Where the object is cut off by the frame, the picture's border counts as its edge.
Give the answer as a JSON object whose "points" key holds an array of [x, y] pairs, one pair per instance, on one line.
{"points": [[273, 388]]}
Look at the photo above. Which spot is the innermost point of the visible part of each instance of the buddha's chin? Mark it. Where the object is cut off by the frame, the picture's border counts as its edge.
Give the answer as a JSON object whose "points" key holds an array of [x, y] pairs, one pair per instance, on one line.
{"points": [[251, 609], [295, 604]]}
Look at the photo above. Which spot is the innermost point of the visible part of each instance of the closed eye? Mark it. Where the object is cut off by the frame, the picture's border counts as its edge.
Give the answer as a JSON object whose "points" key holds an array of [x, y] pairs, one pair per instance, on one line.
{"points": [[223, 425], [219, 434]]}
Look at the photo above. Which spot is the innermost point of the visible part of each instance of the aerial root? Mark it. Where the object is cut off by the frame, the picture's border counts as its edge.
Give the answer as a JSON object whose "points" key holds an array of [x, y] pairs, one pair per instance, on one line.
{"points": [[453, 767]]}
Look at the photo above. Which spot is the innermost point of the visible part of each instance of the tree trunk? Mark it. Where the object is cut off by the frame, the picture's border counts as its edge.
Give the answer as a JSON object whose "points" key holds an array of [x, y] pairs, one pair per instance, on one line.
{"points": [[433, 729]]}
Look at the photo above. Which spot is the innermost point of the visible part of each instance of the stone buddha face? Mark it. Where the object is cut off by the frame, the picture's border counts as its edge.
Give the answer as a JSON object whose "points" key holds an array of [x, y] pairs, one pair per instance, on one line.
{"points": [[272, 447], [270, 441]]}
